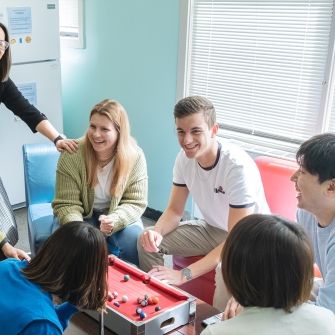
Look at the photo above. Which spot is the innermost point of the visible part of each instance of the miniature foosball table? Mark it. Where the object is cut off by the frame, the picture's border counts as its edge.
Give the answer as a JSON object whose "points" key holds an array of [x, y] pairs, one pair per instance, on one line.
{"points": [[142, 305]]}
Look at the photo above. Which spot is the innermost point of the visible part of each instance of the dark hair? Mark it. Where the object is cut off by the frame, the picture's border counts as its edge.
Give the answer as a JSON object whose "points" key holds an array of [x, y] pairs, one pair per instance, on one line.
{"points": [[195, 104], [6, 60], [317, 156], [72, 264], [267, 261]]}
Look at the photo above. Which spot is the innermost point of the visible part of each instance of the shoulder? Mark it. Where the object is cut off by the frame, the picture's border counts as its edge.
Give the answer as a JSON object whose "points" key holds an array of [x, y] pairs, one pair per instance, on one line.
{"points": [[8, 86], [41, 327], [319, 315], [306, 219], [234, 155], [72, 158], [183, 161]]}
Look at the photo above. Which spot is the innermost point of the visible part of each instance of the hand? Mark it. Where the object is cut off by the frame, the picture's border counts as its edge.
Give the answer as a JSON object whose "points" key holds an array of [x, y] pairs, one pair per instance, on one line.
{"points": [[11, 252], [233, 308], [151, 240], [68, 145], [170, 276], [106, 224]]}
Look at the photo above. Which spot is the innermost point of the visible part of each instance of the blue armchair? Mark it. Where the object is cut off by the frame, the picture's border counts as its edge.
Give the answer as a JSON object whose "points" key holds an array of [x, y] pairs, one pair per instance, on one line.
{"points": [[40, 163]]}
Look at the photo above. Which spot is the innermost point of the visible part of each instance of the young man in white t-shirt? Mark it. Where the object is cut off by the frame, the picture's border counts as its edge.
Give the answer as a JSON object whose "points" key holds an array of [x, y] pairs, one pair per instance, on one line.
{"points": [[224, 183]]}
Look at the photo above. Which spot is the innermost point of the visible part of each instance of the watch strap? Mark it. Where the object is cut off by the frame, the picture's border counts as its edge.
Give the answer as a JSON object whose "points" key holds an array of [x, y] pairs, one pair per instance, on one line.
{"points": [[59, 137]]}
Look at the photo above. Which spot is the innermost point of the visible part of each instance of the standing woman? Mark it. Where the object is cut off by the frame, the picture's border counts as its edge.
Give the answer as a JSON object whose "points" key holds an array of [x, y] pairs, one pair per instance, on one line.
{"points": [[105, 182], [35, 120], [68, 272]]}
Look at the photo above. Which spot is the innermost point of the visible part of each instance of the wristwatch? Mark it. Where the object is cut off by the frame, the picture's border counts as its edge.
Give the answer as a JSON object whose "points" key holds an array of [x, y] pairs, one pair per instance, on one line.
{"points": [[58, 138], [186, 272]]}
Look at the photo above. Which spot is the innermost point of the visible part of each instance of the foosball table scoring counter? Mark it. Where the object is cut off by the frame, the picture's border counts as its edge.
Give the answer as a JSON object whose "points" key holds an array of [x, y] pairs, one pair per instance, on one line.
{"points": [[142, 305]]}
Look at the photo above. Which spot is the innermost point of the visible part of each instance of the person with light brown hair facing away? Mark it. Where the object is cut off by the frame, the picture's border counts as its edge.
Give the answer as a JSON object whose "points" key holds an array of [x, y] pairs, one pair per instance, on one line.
{"points": [[68, 272], [268, 269], [105, 182]]}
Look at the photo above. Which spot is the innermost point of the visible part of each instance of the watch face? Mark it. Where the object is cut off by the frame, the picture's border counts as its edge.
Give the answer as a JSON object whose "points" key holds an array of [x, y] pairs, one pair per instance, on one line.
{"points": [[187, 273]]}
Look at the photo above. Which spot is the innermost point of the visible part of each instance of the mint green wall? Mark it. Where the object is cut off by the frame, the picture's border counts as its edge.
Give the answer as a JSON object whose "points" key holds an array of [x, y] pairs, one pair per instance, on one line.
{"points": [[131, 51]]}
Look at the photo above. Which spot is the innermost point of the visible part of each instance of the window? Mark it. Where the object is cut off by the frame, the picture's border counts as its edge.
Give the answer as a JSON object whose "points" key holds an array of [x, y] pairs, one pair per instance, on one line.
{"points": [[264, 64], [71, 23]]}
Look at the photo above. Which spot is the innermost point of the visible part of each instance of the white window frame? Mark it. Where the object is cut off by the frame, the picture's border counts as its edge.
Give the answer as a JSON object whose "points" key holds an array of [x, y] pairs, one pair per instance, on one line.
{"points": [[70, 39], [252, 143]]}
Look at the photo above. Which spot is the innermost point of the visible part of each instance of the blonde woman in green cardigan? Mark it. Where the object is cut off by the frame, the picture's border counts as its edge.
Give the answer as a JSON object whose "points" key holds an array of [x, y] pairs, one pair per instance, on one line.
{"points": [[105, 182]]}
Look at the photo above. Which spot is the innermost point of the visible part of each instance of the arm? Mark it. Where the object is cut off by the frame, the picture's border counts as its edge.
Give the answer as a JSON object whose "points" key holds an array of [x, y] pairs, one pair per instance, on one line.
{"points": [[64, 312], [133, 200], [9, 251], [49, 131], [67, 204], [168, 221], [326, 294], [35, 120], [12, 252], [212, 259]]}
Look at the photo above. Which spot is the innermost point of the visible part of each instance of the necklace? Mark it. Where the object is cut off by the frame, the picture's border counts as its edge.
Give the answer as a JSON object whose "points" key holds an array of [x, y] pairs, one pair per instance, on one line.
{"points": [[104, 162]]}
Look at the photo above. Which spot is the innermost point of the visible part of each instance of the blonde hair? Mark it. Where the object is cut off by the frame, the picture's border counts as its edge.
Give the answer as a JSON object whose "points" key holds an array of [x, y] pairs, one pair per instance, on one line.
{"points": [[124, 152]]}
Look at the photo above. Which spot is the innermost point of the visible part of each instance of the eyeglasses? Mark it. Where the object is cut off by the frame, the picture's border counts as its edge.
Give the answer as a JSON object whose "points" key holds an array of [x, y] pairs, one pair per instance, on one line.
{"points": [[3, 45]]}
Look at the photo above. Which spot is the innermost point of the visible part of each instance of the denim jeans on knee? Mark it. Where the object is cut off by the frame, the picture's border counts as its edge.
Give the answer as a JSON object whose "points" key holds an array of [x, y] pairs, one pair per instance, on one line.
{"points": [[122, 244]]}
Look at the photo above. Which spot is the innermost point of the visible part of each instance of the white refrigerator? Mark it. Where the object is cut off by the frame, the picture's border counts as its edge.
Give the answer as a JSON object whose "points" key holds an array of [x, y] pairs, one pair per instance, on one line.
{"points": [[34, 36]]}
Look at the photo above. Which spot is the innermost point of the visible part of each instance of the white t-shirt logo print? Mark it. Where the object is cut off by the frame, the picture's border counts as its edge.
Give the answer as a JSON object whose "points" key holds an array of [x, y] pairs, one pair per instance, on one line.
{"points": [[219, 190]]}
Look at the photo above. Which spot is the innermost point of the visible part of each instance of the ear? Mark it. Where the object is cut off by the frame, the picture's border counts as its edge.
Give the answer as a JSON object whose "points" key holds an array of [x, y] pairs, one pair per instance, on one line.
{"points": [[214, 130], [331, 187]]}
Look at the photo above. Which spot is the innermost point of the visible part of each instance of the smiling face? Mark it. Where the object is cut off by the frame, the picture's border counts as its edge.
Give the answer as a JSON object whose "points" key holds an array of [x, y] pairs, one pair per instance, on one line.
{"points": [[196, 139], [311, 194], [2, 38], [102, 135]]}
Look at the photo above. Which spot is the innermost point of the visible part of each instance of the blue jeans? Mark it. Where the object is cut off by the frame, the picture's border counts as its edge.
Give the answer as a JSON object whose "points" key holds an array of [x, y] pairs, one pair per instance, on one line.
{"points": [[122, 244]]}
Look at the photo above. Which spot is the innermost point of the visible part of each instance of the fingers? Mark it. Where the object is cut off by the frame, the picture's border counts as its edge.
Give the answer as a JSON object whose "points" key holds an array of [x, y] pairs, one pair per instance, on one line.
{"points": [[23, 255], [151, 240], [167, 275], [69, 145], [106, 224], [233, 308]]}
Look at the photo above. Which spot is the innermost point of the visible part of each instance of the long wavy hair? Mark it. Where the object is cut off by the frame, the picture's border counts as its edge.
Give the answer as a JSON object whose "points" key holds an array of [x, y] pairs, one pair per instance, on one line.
{"points": [[72, 264], [124, 151], [6, 60]]}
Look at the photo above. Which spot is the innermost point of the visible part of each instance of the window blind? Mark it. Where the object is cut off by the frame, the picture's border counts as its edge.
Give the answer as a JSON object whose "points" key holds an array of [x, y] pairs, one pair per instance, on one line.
{"points": [[262, 64]]}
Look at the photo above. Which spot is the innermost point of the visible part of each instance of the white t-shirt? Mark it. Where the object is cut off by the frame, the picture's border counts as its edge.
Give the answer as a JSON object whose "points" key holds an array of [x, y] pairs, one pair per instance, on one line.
{"points": [[233, 181], [102, 197], [307, 319]]}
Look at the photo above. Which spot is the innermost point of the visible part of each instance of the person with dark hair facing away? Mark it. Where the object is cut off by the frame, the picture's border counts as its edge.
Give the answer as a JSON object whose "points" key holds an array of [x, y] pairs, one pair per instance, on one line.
{"points": [[35, 120], [315, 185], [68, 272], [268, 268]]}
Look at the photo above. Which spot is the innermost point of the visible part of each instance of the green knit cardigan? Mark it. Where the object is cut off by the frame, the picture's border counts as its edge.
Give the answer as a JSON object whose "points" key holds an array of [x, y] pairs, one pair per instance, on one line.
{"points": [[74, 199]]}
